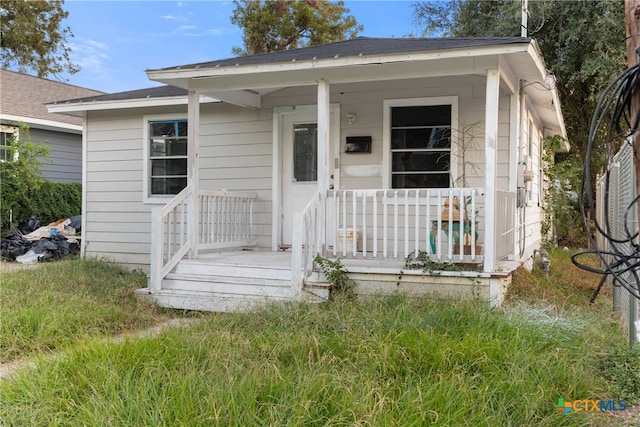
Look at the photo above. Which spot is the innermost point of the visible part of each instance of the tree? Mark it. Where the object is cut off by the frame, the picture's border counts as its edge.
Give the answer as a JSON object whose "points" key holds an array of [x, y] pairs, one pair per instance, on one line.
{"points": [[582, 43], [273, 25], [33, 37]]}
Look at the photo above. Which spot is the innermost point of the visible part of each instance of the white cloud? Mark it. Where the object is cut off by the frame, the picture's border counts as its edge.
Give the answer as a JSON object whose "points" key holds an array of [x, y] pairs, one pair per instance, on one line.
{"points": [[215, 31], [169, 17], [186, 28], [94, 59], [89, 53]]}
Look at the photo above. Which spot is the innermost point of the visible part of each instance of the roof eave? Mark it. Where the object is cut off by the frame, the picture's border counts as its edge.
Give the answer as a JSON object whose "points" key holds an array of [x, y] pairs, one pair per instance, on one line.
{"points": [[182, 77], [35, 123], [79, 107]]}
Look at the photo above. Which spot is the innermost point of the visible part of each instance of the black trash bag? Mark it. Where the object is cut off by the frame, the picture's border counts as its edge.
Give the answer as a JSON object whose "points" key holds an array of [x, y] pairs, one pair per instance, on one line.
{"points": [[13, 246], [29, 225], [47, 248], [76, 223], [64, 246]]}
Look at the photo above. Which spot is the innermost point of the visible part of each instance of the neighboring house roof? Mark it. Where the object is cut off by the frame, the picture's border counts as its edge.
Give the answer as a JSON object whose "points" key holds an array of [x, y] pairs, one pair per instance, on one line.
{"points": [[23, 98]]}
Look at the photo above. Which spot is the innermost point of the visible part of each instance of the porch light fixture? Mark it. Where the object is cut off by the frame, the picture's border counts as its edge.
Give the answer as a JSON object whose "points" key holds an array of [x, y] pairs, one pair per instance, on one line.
{"points": [[351, 118]]}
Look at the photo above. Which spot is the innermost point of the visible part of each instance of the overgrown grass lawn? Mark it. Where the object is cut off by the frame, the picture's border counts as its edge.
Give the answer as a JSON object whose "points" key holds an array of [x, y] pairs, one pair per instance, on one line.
{"points": [[389, 361], [61, 303]]}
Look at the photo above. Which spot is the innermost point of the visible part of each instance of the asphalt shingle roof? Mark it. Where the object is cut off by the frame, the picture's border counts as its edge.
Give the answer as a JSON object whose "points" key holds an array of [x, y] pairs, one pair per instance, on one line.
{"points": [[356, 47], [153, 92], [25, 96]]}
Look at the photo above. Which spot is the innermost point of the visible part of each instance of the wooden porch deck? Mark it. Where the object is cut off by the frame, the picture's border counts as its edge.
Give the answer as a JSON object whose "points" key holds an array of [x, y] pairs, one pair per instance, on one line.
{"points": [[265, 257]]}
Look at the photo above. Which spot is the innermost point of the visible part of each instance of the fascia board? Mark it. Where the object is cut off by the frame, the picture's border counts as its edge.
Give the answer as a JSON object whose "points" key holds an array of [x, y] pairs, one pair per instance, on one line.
{"points": [[42, 124], [175, 74], [350, 74], [77, 108]]}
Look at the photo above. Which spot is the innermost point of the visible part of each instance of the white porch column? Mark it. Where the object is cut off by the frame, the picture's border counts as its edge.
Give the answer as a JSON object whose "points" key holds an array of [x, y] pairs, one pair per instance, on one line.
{"points": [[324, 130], [193, 146], [491, 158], [324, 154]]}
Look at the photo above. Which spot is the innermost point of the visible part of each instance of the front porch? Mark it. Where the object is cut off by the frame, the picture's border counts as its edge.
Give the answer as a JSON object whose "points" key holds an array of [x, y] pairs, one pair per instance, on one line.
{"points": [[204, 255], [241, 279]]}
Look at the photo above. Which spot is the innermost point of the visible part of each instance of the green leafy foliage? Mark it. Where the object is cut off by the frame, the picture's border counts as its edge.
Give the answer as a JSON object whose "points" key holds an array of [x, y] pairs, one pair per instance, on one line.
{"points": [[33, 37], [336, 274], [582, 42], [23, 191], [280, 25], [563, 219]]}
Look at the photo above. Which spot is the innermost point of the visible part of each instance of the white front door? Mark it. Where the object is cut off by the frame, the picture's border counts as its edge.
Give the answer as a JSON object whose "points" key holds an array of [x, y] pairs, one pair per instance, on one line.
{"points": [[299, 167]]}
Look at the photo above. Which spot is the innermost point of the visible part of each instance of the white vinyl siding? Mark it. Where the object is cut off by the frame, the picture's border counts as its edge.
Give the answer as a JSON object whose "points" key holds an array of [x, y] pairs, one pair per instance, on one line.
{"points": [[117, 222], [236, 154]]}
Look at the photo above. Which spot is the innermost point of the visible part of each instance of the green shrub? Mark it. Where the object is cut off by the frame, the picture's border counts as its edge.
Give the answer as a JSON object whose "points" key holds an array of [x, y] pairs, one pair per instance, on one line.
{"points": [[23, 191], [50, 202]]}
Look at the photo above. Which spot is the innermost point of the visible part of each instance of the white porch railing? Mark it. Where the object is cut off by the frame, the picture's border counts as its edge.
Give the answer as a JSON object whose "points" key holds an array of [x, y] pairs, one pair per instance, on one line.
{"points": [[394, 224], [505, 223], [224, 220], [308, 239], [170, 240]]}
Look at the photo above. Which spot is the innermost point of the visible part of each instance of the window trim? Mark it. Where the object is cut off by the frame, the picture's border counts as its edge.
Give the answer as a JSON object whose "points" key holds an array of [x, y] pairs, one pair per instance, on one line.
{"points": [[388, 104], [147, 197], [16, 135]]}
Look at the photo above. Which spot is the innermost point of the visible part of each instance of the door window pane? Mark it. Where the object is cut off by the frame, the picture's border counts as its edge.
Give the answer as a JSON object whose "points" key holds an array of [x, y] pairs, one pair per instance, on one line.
{"points": [[305, 152]]}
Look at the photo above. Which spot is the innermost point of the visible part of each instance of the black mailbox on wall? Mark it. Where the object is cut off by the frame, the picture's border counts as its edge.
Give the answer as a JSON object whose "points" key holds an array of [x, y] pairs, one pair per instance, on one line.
{"points": [[358, 144]]}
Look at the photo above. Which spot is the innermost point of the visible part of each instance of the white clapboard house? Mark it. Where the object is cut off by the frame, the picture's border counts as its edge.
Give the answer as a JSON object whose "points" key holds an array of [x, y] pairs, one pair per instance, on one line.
{"points": [[226, 183]]}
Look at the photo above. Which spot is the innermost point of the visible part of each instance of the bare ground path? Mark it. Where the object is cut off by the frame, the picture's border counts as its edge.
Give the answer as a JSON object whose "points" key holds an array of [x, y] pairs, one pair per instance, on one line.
{"points": [[7, 369]]}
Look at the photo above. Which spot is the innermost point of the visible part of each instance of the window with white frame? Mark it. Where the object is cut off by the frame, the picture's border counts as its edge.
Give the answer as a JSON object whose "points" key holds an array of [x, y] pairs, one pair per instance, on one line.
{"points": [[167, 144], [421, 146], [7, 135]]}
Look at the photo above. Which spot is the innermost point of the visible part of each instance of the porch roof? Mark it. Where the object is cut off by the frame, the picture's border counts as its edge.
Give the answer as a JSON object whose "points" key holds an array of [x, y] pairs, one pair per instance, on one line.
{"points": [[357, 47], [243, 80]]}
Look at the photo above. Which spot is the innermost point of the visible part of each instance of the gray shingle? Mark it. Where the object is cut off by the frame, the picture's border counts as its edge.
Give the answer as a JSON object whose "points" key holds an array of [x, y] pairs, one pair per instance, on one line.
{"points": [[356, 47], [153, 92], [348, 48]]}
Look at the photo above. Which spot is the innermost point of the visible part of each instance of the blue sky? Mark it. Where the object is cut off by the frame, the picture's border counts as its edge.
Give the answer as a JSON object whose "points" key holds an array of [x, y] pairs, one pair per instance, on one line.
{"points": [[116, 41]]}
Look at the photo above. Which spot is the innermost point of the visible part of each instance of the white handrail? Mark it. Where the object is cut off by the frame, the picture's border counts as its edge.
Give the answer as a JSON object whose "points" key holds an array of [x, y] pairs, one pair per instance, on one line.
{"points": [[169, 236], [309, 229], [224, 220]]}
